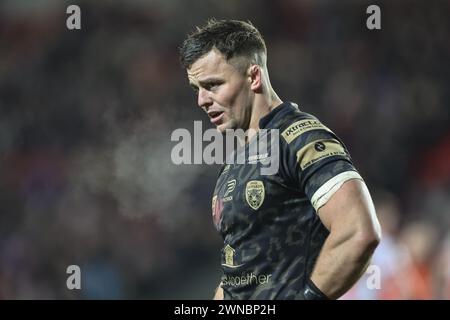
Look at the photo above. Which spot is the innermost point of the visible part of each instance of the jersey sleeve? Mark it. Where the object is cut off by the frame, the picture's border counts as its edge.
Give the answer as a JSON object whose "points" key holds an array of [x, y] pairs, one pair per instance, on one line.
{"points": [[317, 162]]}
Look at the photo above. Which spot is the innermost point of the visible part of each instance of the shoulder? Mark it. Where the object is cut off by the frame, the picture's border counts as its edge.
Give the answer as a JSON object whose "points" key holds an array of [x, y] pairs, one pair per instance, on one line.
{"points": [[309, 144], [297, 128], [299, 124]]}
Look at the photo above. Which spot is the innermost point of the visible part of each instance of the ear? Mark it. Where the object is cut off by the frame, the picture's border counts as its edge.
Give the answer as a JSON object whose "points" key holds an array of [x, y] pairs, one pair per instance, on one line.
{"points": [[255, 77]]}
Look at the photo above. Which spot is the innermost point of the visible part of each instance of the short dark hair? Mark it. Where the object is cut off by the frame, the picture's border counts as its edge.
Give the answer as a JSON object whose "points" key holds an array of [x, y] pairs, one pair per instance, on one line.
{"points": [[232, 38]]}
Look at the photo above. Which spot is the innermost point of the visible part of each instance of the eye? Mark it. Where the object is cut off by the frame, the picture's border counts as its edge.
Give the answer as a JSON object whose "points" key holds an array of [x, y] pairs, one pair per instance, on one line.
{"points": [[212, 86]]}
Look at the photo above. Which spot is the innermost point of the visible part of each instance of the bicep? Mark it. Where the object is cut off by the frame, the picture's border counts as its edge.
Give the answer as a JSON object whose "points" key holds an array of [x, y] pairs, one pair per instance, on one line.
{"points": [[350, 210]]}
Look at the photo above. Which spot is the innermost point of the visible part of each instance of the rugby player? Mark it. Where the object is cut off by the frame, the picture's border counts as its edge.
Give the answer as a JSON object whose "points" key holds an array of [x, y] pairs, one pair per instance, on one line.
{"points": [[309, 230]]}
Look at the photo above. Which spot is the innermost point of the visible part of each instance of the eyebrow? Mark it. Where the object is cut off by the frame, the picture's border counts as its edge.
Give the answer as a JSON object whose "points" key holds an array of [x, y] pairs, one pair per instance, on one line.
{"points": [[206, 81]]}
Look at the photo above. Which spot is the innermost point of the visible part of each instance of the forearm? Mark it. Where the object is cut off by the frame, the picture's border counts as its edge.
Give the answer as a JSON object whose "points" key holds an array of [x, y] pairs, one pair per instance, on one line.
{"points": [[341, 263], [354, 234]]}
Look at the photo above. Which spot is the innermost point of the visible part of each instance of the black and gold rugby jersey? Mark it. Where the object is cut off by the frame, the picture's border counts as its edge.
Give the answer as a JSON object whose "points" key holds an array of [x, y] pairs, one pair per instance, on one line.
{"points": [[272, 234]]}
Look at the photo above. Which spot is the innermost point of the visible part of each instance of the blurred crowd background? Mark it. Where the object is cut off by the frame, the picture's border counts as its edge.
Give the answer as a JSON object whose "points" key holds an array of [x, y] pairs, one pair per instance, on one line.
{"points": [[86, 116]]}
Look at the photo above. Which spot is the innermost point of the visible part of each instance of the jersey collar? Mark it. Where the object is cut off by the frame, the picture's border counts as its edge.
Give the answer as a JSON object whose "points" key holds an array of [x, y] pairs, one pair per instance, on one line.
{"points": [[273, 118]]}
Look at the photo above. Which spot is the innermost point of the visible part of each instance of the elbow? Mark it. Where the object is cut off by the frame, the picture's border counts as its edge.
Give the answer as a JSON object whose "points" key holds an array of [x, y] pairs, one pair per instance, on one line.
{"points": [[372, 241], [368, 240], [368, 234]]}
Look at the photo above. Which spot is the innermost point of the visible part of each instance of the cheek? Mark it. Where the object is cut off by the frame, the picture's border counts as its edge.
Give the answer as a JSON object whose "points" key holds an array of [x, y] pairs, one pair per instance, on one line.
{"points": [[241, 98], [244, 101]]}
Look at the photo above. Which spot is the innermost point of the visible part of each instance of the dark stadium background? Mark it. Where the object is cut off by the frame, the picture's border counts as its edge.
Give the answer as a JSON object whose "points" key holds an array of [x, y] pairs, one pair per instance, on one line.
{"points": [[86, 116]]}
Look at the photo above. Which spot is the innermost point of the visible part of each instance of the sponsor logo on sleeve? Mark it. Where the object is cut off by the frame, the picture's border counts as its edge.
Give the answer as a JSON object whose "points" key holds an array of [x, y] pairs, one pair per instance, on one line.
{"points": [[300, 127], [318, 150]]}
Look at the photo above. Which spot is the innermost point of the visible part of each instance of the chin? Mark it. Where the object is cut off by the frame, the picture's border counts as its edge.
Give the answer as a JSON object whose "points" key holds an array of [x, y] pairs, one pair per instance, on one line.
{"points": [[226, 125]]}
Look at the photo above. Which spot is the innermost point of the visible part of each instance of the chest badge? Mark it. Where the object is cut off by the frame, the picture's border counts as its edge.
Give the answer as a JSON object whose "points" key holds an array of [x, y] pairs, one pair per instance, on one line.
{"points": [[254, 194]]}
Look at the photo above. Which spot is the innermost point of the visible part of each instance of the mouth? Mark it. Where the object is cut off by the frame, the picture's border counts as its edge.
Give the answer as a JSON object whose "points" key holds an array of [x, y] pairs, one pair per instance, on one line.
{"points": [[216, 117]]}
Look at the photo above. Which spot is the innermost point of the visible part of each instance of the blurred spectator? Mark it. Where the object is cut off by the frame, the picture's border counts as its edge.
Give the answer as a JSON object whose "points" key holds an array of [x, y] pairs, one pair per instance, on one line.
{"points": [[442, 271], [420, 239]]}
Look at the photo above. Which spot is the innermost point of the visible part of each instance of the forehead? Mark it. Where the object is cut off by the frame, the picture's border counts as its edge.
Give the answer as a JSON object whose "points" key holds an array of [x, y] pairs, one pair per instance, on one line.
{"points": [[212, 64]]}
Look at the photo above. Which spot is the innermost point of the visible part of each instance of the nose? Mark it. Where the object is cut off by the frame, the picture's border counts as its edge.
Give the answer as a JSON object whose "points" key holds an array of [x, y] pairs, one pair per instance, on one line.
{"points": [[204, 100]]}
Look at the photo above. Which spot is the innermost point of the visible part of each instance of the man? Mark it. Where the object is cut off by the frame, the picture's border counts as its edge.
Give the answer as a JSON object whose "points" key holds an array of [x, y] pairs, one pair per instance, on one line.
{"points": [[305, 232]]}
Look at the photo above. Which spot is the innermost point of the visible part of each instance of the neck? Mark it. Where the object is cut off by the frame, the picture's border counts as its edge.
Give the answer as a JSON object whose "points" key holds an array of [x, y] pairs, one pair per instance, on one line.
{"points": [[263, 104]]}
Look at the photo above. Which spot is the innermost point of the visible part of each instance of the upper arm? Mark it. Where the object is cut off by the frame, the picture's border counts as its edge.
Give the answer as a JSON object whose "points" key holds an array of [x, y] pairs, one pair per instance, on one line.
{"points": [[350, 212], [317, 160], [321, 167]]}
